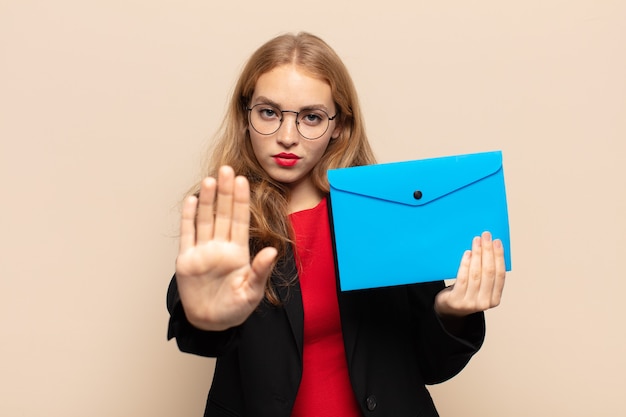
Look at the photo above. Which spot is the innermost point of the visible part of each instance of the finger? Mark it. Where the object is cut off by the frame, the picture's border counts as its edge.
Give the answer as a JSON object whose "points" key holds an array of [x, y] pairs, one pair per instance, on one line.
{"points": [[224, 210], [462, 276], [241, 211], [204, 219], [187, 224], [474, 276], [262, 266], [498, 287], [488, 272]]}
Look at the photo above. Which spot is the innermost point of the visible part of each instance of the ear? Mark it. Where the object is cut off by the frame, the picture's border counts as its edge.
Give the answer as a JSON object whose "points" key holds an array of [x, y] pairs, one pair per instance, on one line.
{"points": [[337, 131]]}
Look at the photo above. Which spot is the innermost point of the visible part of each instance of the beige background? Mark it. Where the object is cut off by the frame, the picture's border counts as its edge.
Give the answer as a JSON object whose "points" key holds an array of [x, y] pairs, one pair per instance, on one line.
{"points": [[105, 107]]}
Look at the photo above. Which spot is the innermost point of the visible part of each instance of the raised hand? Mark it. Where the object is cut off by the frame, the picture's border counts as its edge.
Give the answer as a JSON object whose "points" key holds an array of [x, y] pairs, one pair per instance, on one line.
{"points": [[218, 285], [480, 280]]}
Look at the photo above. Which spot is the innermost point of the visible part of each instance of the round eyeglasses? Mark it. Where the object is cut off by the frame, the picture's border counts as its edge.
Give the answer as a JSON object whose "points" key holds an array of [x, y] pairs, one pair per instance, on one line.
{"points": [[267, 119]]}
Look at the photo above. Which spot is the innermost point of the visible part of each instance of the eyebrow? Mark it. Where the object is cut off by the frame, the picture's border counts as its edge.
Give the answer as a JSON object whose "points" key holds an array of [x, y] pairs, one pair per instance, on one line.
{"points": [[265, 100]]}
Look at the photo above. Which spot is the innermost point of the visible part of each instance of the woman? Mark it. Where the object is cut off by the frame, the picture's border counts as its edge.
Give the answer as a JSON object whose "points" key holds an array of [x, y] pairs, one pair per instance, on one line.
{"points": [[255, 282]]}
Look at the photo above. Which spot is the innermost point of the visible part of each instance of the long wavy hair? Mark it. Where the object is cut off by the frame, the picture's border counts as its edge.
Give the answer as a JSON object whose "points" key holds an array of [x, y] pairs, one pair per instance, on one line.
{"points": [[269, 224]]}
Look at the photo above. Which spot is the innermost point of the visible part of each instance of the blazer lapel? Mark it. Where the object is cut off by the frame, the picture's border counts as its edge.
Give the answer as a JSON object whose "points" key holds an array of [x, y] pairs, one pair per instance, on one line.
{"points": [[291, 298], [351, 318], [349, 309]]}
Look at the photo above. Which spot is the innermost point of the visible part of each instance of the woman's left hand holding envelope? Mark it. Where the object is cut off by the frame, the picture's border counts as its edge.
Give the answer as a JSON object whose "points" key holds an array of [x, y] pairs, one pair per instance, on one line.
{"points": [[479, 282]]}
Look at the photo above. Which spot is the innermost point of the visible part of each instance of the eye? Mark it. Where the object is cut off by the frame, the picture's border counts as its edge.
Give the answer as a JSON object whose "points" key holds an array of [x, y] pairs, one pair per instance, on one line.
{"points": [[312, 117], [268, 112]]}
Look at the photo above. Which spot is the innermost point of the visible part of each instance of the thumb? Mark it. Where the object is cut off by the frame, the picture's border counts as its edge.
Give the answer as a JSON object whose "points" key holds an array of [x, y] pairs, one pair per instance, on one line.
{"points": [[442, 301], [262, 265]]}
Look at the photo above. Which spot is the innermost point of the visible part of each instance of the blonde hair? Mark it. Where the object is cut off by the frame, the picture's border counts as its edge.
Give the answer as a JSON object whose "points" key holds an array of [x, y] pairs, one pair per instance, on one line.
{"points": [[269, 199]]}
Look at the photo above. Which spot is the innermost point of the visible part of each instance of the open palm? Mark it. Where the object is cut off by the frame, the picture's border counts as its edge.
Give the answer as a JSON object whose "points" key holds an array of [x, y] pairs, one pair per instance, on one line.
{"points": [[219, 287]]}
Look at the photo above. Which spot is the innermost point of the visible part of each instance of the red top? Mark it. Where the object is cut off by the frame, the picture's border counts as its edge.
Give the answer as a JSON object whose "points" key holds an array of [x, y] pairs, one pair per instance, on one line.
{"points": [[325, 389]]}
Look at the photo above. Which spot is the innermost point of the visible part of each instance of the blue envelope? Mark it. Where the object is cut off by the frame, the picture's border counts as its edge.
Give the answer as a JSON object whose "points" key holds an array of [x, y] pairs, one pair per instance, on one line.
{"points": [[409, 222]]}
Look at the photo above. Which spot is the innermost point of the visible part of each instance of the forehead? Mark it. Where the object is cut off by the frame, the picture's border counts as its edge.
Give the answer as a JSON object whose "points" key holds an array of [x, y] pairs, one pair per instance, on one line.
{"points": [[292, 86]]}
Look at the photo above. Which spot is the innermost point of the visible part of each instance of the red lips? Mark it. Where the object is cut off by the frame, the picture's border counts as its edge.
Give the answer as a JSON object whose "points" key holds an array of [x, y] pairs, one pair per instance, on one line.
{"points": [[285, 159]]}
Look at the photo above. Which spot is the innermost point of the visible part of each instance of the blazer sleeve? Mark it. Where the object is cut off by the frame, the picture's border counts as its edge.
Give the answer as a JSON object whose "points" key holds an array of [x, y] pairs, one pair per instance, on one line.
{"points": [[190, 339], [442, 354]]}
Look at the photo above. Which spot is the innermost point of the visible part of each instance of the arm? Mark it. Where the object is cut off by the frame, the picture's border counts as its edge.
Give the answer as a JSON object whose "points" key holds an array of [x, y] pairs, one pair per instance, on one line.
{"points": [[455, 319], [189, 338], [444, 348]]}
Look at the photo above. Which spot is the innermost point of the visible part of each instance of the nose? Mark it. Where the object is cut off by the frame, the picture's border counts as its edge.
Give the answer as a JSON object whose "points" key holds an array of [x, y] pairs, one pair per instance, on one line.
{"points": [[288, 134]]}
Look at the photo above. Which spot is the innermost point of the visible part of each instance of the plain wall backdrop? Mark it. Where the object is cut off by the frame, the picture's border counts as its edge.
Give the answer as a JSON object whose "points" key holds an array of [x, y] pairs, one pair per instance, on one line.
{"points": [[107, 106]]}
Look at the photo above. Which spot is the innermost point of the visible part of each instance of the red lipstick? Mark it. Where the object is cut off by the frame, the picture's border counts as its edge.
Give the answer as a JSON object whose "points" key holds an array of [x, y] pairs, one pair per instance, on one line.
{"points": [[285, 159]]}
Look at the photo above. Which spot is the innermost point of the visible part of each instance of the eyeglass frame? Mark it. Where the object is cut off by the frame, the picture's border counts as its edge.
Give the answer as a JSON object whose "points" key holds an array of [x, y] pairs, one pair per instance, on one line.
{"points": [[282, 117]]}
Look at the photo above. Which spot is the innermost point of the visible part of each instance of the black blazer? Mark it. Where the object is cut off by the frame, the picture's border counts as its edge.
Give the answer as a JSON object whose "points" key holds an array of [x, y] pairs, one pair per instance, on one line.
{"points": [[395, 344]]}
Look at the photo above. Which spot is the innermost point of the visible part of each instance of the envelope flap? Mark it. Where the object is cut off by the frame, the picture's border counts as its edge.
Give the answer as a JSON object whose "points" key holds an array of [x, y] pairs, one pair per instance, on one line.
{"points": [[417, 182]]}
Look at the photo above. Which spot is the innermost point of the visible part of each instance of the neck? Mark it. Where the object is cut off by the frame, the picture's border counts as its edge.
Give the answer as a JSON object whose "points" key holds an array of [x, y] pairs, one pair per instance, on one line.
{"points": [[304, 196]]}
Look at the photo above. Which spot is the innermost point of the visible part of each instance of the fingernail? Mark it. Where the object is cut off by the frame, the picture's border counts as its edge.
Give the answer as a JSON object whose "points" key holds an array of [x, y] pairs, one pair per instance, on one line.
{"points": [[497, 244], [487, 237]]}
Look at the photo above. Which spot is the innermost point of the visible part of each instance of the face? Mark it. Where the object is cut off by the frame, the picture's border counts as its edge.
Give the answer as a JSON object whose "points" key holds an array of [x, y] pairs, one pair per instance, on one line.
{"points": [[286, 155]]}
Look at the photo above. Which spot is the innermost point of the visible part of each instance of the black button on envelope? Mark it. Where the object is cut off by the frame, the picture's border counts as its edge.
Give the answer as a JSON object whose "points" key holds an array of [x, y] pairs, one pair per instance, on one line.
{"points": [[408, 222]]}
